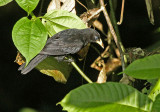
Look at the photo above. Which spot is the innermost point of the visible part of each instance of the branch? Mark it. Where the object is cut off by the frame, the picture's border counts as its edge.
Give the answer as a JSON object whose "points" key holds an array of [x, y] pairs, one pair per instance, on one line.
{"points": [[113, 33], [81, 72], [41, 6], [122, 12]]}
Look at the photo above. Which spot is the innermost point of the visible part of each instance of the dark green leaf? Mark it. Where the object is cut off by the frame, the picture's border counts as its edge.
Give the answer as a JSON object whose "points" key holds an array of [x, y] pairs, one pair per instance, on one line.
{"points": [[156, 104], [155, 90], [27, 110], [29, 36], [4, 2], [58, 20], [146, 68], [107, 97], [59, 70], [28, 5]]}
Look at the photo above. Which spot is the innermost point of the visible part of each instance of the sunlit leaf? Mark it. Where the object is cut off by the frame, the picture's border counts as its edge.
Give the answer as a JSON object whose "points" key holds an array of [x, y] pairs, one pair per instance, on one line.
{"points": [[4, 2], [28, 5], [106, 97], [155, 90], [156, 104], [29, 36], [146, 68], [58, 20]]}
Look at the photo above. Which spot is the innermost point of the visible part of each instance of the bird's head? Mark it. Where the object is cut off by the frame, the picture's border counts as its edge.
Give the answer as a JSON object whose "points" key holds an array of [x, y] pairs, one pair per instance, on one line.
{"points": [[94, 36]]}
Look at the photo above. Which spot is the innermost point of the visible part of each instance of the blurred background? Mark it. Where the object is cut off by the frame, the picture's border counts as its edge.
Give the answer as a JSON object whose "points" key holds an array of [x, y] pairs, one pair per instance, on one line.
{"points": [[40, 92]]}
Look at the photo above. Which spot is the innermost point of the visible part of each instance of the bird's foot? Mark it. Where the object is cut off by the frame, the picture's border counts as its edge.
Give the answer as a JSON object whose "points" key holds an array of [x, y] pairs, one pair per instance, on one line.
{"points": [[67, 59]]}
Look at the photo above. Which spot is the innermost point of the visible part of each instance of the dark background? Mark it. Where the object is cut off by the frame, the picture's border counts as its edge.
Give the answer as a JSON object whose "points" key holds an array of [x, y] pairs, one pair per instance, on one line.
{"points": [[41, 92]]}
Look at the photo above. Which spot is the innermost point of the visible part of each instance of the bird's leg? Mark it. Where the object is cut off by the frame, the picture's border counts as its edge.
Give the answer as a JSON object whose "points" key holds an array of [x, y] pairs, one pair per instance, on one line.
{"points": [[68, 59]]}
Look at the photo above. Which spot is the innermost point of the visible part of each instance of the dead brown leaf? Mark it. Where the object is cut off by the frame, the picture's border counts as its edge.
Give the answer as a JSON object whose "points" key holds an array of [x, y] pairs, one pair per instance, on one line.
{"points": [[57, 75], [112, 65], [90, 16], [102, 77], [19, 59], [68, 5]]}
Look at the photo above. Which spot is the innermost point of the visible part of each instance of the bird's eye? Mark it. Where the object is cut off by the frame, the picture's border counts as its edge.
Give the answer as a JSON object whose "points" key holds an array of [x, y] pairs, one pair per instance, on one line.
{"points": [[96, 37]]}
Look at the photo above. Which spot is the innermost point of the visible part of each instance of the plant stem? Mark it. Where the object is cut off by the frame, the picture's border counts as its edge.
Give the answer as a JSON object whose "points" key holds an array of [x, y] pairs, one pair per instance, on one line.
{"points": [[40, 10], [32, 14], [81, 72], [122, 12], [114, 22], [113, 33], [93, 1]]}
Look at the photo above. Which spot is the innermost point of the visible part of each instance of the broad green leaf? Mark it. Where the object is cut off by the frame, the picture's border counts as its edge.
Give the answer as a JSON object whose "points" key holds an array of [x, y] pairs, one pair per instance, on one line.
{"points": [[59, 70], [28, 5], [156, 104], [58, 20], [4, 2], [29, 36], [146, 68], [155, 90], [106, 97], [152, 83]]}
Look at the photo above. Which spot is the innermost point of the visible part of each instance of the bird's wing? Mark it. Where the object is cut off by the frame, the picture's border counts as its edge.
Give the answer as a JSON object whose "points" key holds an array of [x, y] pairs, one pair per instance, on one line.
{"points": [[62, 47]]}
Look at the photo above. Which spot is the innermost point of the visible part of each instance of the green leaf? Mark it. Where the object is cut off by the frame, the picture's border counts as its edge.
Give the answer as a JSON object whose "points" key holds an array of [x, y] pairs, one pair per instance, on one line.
{"points": [[155, 90], [29, 36], [28, 5], [58, 20], [4, 2], [27, 110], [151, 83], [146, 68], [59, 70], [106, 97], [156, 104]]}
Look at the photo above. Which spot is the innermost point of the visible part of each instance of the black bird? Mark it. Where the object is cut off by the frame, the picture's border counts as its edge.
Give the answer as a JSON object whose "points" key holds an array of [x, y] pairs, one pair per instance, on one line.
{"points": [[68, 41]]}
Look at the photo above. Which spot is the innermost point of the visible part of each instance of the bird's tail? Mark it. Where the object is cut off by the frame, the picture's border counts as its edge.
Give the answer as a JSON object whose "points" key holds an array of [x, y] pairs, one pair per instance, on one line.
{"points": [[33, 63]]}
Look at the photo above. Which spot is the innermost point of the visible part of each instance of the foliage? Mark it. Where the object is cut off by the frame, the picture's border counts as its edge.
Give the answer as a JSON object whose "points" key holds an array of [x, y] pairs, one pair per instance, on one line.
{"points": [[107, 97], [58, 20], [146, 68], [29, 37], [4, 2], [156, 104], [28, 5]]}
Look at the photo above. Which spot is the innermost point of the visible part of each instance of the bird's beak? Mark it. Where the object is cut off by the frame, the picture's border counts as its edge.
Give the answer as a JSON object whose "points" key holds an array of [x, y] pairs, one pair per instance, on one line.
{"points": [[100, 43]]}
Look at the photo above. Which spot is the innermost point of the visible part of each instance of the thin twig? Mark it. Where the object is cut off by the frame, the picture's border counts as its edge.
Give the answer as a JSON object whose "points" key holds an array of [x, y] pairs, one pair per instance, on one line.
{"points": [[97, 12], [113, 33], [40, 11], [122, 12], [82, 4], [81, 72], [114, 23]]}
